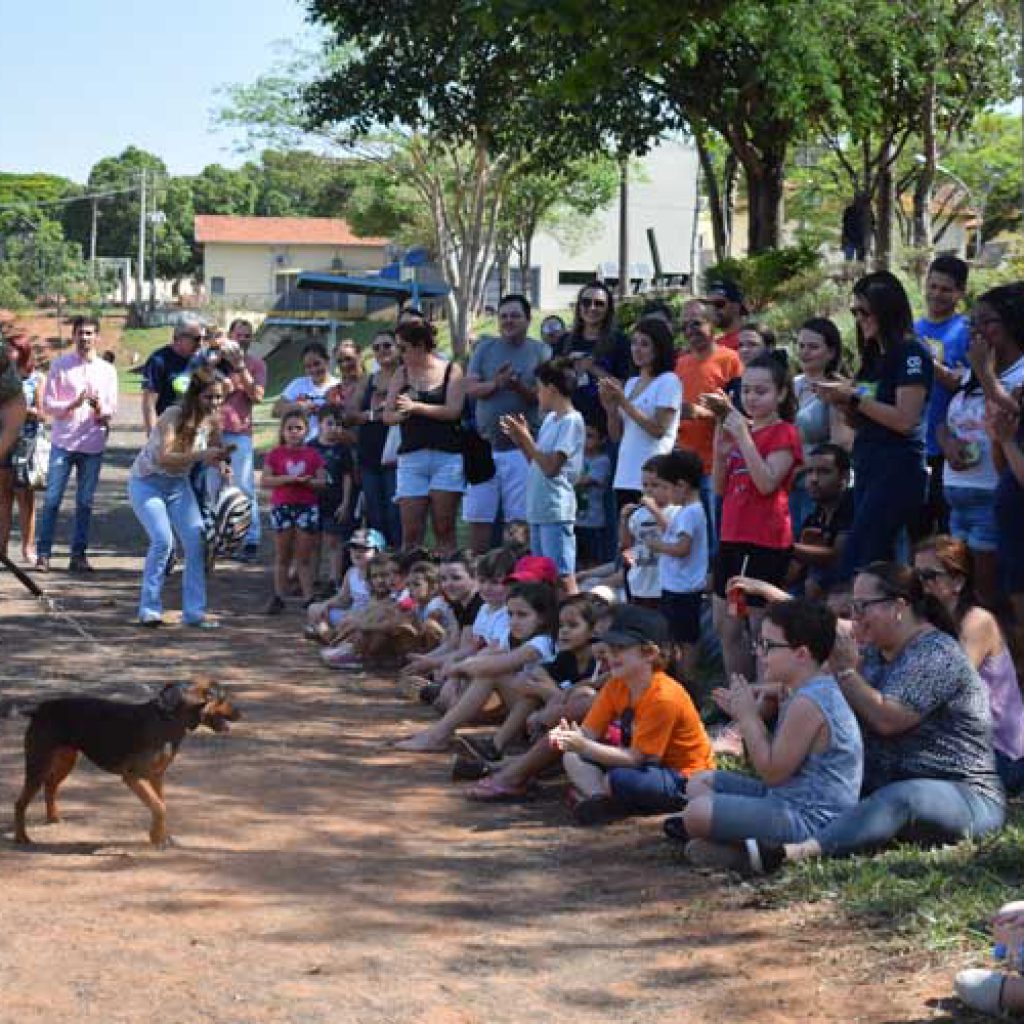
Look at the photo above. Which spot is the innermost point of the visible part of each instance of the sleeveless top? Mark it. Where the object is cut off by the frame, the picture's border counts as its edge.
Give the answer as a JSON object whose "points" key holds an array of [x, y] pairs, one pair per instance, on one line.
{"points": [[146, 464], [419, 433], [371, 437], [30, 387], [999, 675], [812, 418], [828, 783]]}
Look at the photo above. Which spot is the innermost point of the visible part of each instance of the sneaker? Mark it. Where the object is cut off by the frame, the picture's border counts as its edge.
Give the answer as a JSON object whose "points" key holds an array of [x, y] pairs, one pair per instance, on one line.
{"points": [[274, 606], [430, 692], [675, 828], [764, 858], [702, 853], [42, 563], [342, 658], [469, 769], [981, 990], [80, 564], [150, 621], [205, 623]]}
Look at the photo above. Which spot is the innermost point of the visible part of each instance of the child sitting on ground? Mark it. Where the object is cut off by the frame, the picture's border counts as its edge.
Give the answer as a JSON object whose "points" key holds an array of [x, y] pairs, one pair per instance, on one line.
{"points": [[995, 992], [533, 621], [662, 737], [565, 688], [323, 617], [809, 771]]}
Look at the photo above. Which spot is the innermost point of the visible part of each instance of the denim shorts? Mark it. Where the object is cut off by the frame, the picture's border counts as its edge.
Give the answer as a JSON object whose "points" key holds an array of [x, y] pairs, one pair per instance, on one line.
{"points": [[556, 541], [972, 517], [428, 470], [304, 518]]}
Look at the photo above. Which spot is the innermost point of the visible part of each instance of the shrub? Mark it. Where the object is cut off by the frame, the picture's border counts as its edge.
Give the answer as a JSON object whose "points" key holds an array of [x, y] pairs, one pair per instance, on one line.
{"points": [[763, 275]]}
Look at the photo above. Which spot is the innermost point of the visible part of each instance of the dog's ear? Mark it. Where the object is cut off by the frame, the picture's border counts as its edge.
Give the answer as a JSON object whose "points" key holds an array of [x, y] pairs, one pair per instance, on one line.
{"points": [[200, 690], [170, 697]]}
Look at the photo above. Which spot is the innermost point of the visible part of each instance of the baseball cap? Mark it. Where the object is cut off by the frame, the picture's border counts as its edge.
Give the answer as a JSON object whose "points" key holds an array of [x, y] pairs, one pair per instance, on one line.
{"points": [[368, 538], [533, 569], [729, 290], [632, 626]]}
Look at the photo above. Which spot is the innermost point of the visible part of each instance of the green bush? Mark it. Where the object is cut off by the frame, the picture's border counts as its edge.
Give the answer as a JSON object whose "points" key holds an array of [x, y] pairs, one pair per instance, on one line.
{"points": [[763, 275]]}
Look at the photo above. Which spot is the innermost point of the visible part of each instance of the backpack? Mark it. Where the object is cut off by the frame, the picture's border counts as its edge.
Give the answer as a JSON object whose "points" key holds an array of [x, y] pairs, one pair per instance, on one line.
{"points": [[226, 522]]}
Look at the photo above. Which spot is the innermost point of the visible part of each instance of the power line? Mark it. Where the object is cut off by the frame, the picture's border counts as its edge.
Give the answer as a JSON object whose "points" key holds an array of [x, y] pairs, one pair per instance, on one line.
{"points": [[70, 199]]}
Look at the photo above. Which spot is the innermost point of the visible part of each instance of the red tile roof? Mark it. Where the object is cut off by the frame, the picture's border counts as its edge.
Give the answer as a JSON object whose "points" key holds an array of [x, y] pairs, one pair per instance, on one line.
{"points": [[278, 231]]}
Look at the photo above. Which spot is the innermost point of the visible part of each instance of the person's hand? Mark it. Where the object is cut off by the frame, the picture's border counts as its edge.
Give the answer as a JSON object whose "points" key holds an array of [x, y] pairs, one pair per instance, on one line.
{"points": [[750, 587], [404, 405], [567, 737], [739, 700], [516, 428], [981, 354], [957, 454], [834, 392], [736, 425], [1001, 424], [717, 403], [231, 353], [609, 391], [503, 376], [845, 653], [214, 455]]}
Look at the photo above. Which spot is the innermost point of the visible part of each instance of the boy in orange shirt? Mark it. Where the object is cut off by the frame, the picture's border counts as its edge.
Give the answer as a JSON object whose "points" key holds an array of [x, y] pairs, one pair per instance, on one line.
{"points": [[663, 738]]}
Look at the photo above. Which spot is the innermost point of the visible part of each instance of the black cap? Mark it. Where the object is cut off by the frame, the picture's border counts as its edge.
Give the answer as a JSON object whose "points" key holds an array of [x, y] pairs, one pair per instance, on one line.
{"points": [[727, 290], [632, 626]]}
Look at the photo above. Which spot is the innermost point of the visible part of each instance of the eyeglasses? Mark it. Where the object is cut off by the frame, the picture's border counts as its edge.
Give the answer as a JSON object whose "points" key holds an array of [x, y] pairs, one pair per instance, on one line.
{"points": [[858, 608], [693, 325], [593, 304], [859, 312], [764, 646]]}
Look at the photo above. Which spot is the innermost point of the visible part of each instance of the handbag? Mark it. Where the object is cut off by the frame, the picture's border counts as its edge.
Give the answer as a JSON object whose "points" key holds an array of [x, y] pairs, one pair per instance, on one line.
{"points": [[30, 461], [477, 456], [389, 454]]}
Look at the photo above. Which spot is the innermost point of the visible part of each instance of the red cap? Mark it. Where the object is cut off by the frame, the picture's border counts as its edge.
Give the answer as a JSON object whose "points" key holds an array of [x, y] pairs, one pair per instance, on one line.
{"points": [[533, 569]]}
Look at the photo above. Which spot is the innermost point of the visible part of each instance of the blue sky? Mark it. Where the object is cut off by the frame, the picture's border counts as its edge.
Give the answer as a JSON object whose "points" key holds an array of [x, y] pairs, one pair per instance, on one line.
{"points": [[83, 79]]}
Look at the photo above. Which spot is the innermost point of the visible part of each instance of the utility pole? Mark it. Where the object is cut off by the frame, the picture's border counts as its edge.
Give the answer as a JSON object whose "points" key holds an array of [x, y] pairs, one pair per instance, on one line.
{"points": [[92, 235], [623, 288], [140, 267]]}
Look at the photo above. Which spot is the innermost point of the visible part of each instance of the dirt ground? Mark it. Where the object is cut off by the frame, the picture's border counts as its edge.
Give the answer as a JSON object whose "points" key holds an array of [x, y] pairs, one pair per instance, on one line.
{"points": [[321, 877]]}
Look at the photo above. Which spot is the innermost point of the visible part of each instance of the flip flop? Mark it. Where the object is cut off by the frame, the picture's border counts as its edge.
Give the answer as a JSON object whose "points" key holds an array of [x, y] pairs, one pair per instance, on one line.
{"points": [[490, 791]]}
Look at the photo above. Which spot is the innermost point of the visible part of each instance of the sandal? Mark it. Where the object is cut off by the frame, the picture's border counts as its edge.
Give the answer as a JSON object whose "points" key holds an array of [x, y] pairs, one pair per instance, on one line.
{"points": [[491, 791], [480, 747]]}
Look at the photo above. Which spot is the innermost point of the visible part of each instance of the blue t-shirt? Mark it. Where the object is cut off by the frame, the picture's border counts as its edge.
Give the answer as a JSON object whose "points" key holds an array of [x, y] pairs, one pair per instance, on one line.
{"points": [[948, 341], [166, 375], [875, 446], [552, 499]]}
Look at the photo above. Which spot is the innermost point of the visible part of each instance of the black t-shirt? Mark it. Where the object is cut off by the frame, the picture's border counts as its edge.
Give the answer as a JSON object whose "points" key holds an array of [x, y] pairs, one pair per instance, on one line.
{"points": [[338, 462], [465, 614], [565, 671], [617, 361], [162, 369], [832, 523], [903, 365]]}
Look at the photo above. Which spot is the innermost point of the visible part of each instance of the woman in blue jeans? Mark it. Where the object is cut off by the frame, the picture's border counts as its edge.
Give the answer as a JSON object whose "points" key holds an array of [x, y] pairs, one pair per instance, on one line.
{"points": [[162, 498], [929, 768]]}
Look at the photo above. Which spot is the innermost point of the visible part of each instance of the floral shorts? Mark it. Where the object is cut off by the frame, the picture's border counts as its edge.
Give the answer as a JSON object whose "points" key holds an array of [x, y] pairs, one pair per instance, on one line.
{"points": [[304, 518]]}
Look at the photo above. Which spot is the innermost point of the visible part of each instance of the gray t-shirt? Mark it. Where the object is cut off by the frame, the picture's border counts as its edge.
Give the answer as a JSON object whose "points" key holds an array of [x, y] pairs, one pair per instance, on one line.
{"points": [[488, 357], [552, 499], [953, 740]]}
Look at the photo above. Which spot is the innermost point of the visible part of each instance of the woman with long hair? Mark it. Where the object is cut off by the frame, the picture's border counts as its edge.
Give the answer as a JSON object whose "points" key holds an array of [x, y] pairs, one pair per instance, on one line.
{"points": [[425, 398], [885, 404], [946, 569], [162, 498], [11, 490]]}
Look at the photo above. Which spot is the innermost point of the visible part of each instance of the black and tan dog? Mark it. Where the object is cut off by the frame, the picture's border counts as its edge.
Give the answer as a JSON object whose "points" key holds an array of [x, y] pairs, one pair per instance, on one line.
{"points": [[136, 741]]}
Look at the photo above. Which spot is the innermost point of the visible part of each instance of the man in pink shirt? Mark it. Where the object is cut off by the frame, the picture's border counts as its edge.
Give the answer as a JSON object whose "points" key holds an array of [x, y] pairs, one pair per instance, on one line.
{"points": [[80, 398], [246, 381]]}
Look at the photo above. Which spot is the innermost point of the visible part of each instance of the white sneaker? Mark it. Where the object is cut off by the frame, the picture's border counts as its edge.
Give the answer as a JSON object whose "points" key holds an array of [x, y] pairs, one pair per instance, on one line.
{"points": [[981, 989]]}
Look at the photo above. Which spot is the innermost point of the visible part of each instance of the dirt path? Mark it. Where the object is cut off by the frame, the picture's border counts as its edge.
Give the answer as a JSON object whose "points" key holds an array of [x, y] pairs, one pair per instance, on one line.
{"points": [[321, 877]]}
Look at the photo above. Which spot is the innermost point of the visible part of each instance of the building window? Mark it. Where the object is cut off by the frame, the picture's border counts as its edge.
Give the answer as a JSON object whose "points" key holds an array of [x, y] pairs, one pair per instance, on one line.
{"points": [[576, 277], [217, 286]]}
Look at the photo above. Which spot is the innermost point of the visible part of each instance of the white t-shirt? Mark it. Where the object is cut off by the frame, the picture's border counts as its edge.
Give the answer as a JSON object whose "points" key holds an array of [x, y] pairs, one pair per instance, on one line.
{"points": [[965, 419], [545, 647], [644, 578], [637, 446], [303, 387], [685, 575], [491, 625], [358, 588]]}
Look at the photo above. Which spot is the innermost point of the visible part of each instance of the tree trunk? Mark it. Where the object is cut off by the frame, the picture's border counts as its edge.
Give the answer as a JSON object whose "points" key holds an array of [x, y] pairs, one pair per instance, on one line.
{"points": [[764, 198], [921, 235], [885, 203], [716, 206]]}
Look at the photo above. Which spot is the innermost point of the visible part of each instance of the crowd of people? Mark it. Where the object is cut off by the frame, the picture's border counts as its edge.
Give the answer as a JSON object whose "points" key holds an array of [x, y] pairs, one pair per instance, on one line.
{"points": [[676, 546]]}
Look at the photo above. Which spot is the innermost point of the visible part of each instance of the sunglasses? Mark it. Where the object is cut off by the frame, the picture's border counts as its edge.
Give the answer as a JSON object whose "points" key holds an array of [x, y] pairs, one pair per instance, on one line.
{"points": [[857, 608], [593, 304], [719, 303], [383, 346]]}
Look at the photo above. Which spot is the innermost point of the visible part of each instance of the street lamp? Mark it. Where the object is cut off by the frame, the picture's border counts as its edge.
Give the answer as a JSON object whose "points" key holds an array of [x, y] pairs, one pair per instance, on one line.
{"points": [[920, 158], [155, 218]]}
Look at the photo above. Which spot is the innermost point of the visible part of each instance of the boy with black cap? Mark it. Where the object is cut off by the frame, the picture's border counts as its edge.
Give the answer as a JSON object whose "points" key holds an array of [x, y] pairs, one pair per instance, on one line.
{"points": [[663, 738]]}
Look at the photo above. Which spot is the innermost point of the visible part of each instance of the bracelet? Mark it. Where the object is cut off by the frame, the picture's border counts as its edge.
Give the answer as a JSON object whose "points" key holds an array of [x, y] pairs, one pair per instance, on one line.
{"points": [[845, 672]]}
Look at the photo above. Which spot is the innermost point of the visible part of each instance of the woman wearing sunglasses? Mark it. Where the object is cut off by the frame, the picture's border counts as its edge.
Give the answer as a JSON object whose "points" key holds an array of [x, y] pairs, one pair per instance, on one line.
{"points": [[885, 405], [929, 770], [366, 410], [946, 570]]}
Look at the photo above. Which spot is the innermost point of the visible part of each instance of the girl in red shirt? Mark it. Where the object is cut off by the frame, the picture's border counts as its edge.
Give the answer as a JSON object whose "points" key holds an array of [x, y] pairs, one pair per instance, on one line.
{"points": [[754, 464]]}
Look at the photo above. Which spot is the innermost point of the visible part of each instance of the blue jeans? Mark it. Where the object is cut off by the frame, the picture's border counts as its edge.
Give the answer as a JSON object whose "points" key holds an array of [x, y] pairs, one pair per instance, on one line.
{"points": [[382, 512], [162, 503], [244, 476], [743, 808], [87, 475], [917, 810], [712, 512], [651, 789]]}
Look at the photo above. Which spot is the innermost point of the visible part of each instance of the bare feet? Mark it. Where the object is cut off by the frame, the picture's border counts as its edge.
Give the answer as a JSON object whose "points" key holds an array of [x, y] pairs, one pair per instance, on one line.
{"points": [[422, 743]]}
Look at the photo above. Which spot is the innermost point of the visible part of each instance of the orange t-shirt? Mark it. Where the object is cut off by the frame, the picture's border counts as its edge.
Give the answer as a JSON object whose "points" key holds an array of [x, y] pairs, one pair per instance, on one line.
{"points": [[700, 375], [666, 725], [731, 339]]}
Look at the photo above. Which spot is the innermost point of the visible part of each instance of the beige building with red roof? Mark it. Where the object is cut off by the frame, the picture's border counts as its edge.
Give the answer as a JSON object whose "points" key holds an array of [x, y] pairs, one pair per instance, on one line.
{"points": [[248, 262]]}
